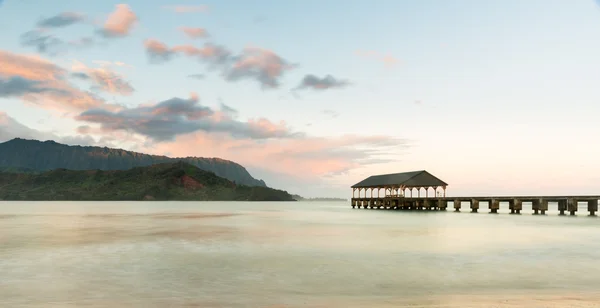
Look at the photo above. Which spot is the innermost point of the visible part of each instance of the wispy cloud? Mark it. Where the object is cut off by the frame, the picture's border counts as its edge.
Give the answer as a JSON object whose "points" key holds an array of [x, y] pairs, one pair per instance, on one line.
{"points": [[316, 83], [104, 63], [104, 78], [47, 43], [194, 33], [61, 20], [44, 43], [254, 63]]}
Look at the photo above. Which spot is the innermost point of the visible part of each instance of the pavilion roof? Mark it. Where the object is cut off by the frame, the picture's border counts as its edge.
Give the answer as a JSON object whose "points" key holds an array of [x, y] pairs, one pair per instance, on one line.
{"points": [[420, 178]]}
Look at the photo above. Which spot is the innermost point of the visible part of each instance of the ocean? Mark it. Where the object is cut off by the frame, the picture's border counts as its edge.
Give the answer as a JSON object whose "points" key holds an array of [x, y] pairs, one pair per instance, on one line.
{"points": [[292, 254]]}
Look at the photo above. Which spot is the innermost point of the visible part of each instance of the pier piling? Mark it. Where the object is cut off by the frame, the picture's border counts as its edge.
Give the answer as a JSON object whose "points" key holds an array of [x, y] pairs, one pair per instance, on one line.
{"points": [[572, 206], [593, 207], [494, 206], [474, 205], [457, 204]]}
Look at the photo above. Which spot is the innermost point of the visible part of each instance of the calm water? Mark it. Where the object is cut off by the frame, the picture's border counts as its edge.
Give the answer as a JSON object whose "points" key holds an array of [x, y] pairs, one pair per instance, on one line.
{"points": [[302, 254]]}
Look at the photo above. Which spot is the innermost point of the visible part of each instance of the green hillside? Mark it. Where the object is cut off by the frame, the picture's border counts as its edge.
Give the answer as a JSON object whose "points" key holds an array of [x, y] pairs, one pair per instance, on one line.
{"points": [[169, 181]]}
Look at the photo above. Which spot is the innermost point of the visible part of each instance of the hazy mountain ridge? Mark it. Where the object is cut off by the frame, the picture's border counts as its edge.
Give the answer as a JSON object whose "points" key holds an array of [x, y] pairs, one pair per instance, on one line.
{"points": [[168, 181], [22, 154], [300, 198]]}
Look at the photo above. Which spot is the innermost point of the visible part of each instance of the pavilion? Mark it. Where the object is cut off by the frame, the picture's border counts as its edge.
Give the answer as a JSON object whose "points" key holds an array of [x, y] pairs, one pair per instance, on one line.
{"points": [[396, 184]]}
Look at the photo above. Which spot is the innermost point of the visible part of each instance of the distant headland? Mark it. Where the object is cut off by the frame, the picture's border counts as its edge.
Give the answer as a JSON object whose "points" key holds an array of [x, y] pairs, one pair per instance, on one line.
{"points": [[169, 181], [36, 170]]}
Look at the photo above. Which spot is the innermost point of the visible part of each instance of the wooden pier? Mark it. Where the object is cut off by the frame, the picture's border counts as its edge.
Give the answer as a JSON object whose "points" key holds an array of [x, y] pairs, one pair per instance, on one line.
{"points": [[395, 196]]}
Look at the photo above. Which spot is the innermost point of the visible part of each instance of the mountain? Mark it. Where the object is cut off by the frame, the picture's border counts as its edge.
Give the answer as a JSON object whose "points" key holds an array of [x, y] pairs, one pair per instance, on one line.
{"points": [[167, 181], [36, 155]]}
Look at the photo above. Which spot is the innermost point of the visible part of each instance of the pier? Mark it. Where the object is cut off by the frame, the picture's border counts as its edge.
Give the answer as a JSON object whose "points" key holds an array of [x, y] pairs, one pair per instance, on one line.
{"points": [[411, 191]]}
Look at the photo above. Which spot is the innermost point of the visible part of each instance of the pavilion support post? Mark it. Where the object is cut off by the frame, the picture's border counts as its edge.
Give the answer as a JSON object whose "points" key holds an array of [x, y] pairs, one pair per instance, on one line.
{"points": [[444, 191]]}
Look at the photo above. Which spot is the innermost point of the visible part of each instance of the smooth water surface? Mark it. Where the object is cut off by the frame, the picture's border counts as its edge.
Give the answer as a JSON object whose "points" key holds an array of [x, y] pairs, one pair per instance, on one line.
{"points": [[295, 254]]}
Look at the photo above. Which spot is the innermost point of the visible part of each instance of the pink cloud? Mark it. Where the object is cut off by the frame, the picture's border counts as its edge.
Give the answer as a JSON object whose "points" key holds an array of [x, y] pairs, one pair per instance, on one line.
{"points": [[58, 93], [104, 78], [194, 32], [260, 64], [305, 158], [120, 22], [29, 66]]}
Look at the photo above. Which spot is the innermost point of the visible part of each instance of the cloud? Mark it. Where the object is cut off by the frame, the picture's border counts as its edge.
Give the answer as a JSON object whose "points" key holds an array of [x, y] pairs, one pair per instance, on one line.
{"points": [[316, 83], [10, 129], [18, 86], [176, 116], [227, 109], [302, 157], [254, 63], [29, 67], [44, 84], [194, 33], [104, 79], [61, 20], [157, 51], [214, 55], [46, 43], [120, 22], [260, 64], [187, 8], [386, 59], [43, 43], [107, 64], [80, 75], [82, 42]]}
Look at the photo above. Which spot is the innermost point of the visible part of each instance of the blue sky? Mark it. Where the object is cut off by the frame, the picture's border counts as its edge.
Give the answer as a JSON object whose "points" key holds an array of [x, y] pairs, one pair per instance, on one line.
{"points": [[491, 96]]}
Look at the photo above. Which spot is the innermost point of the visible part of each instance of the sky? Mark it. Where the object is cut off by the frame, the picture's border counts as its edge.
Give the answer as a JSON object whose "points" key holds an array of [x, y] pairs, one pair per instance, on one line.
{"points": [[493, 97]]}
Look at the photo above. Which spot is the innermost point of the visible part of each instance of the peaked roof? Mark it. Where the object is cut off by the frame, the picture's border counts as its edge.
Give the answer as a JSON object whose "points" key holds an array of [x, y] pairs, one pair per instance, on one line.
{"points": [[420, 178]]}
